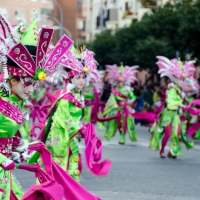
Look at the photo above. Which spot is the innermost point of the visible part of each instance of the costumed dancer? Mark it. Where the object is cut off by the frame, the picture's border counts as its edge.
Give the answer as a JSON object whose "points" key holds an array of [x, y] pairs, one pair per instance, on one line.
{"points": [[91, 96], [39, 97], [120, 102], [21, 71], [190, 86], [168, 124], [63, 124], [100, 88], [193, 123]]}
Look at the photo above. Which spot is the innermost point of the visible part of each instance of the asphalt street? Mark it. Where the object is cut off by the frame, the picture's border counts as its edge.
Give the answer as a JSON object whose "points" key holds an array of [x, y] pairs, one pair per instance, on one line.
{"points": [[138, 173]]}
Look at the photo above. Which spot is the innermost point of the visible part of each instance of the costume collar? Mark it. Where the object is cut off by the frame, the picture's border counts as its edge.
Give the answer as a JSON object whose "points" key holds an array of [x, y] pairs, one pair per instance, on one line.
{"points": [[177, 87], [14, 97], [72, 88]]}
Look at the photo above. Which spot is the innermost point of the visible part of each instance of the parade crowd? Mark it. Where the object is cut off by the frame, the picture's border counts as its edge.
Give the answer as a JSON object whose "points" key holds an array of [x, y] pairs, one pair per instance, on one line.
{"points": [[52, 97]]}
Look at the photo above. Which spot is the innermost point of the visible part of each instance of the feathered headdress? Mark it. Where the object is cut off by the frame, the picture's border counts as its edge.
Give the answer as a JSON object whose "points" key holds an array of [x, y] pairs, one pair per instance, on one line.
{"points": [[175, 69], [126, 74], [80, 61], [190, 85], [99, 85], [179, 73], [28, 58], [59, 75]]}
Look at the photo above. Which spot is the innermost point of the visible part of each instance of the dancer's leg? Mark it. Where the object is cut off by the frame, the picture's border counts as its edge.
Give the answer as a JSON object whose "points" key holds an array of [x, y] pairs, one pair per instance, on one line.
{"points": [[165, 139]]}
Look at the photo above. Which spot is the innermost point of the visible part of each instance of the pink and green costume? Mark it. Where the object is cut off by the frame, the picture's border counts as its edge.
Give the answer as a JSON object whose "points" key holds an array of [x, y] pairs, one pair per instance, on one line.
{"points": [[83, 62], [10, 121], [194, 130], [92, 94], [118, 109], [190, 121], [169, 122], [89, 103], [63, 124], [120, 102], [92, 104], [17, 59], [117, 104]]}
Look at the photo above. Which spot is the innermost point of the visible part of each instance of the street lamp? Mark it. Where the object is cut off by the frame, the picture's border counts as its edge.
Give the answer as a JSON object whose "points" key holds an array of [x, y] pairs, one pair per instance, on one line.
{"points": [[63, 28], [177, 54], [61, 16], [59, 27], [101, 16]]}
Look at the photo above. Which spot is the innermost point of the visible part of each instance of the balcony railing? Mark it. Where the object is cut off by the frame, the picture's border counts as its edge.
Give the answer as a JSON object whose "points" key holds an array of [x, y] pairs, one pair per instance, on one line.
{"points": [[148, 3]]}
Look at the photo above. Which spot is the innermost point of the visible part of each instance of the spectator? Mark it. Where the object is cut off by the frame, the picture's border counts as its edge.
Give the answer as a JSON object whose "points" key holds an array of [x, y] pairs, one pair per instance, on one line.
{"points": [[156, 95], [106, 92], [147, 95]]}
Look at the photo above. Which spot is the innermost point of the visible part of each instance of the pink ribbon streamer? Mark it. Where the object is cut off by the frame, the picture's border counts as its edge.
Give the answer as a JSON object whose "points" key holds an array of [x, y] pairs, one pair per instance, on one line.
{"points": [[93, 153], [148, 116], [95, 108], [193, 129], [55, 181], [191, 110]]}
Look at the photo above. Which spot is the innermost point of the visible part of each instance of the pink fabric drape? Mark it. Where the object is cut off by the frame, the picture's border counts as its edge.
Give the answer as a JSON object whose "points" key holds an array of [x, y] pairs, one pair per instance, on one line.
{"points": [[55, 182], [95, 108], [193, 129], [93, 153]]}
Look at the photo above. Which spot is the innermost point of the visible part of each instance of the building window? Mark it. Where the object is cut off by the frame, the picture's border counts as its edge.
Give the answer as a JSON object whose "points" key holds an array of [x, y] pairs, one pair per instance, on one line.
{"points": [[19, 14], [81, 25], [84, 24], [36, 15], [42, 1], [113, 14], [79, 6], [148, 3], [126, 6], [45, 11], [105, 16]]}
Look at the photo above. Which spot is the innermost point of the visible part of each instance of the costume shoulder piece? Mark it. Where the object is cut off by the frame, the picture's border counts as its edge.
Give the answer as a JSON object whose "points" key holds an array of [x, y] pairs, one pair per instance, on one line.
{"points": [[29, 56], [9, 109]]}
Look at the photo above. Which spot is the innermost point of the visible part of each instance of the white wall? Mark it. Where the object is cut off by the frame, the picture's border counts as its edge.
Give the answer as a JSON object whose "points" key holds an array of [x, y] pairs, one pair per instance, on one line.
{"points": [[94, 7]]}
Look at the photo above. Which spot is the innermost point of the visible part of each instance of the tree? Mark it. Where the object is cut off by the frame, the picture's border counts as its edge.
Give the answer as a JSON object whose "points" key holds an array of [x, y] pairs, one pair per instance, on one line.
{"points": [[174, 27], [104, 47]]}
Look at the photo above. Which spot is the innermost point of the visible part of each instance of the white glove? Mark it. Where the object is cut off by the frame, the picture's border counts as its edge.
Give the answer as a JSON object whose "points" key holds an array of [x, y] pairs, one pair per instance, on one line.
{"points": [[180, 111], [183, 94], [158, 103], [160, 130], [128, 89], [170, 85], [26, 156], [194, 119], [15, 157], [130, 101], [23, 146]]}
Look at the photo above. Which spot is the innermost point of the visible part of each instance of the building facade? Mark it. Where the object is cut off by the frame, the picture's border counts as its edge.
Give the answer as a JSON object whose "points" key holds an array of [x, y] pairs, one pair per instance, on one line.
{"points": [[113, 14], [17, 11], [74, 17], [49, 12]]}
